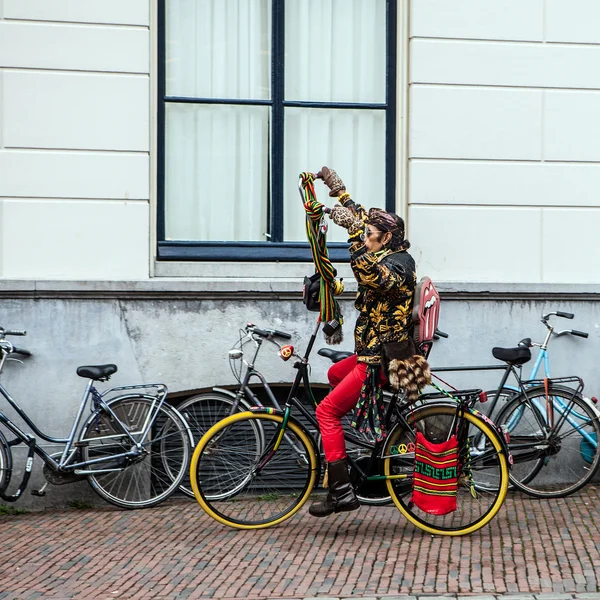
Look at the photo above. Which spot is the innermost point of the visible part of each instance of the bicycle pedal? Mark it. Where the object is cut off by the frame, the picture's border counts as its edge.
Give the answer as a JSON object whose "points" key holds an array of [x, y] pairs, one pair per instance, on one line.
{"points": [[40, 493]]}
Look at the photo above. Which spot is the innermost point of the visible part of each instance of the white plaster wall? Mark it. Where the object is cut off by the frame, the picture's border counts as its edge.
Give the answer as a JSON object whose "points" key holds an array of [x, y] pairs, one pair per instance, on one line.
{"points": [[74, 139], [504, 140]]}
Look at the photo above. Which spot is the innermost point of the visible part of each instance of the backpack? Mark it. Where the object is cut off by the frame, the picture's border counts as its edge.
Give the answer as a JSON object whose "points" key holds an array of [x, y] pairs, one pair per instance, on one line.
{"points": [[425, 315]]}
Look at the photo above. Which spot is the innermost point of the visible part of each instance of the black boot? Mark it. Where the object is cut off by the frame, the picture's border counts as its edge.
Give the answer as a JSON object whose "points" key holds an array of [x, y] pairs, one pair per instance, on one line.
{"points": [[341, 497]]}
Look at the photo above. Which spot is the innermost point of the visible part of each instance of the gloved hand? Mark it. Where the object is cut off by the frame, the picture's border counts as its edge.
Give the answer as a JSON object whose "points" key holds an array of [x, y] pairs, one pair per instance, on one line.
{"points": [[332, 181], [345, 218]]}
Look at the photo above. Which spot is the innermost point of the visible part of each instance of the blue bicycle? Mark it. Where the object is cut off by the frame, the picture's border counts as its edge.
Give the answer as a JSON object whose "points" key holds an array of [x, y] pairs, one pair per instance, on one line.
{"points": [[553, 428]]}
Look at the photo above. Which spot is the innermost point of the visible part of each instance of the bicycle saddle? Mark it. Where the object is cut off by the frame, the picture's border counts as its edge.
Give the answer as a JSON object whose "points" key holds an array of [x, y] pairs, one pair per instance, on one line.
{"points": [[96, 372], [334, 355], [513, 356]]}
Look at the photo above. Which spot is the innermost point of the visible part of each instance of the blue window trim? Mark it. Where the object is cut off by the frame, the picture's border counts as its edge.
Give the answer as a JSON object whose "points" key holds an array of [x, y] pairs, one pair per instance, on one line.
{"points": [[276, 248]]}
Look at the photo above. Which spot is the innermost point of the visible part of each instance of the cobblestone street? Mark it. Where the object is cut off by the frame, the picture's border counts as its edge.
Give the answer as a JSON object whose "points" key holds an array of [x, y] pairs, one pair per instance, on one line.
{"points": [[176, 551]]}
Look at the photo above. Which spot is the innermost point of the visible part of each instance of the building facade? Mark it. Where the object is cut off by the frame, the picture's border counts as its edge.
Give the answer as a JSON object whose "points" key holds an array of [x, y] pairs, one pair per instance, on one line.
{"points": [[149, 156]]}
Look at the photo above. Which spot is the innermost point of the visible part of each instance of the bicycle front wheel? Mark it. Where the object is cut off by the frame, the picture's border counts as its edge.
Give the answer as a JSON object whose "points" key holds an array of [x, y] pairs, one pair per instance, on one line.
{"points": [[201, 412], [246, 483], [482, 471], [152, 471], [559, 435]]}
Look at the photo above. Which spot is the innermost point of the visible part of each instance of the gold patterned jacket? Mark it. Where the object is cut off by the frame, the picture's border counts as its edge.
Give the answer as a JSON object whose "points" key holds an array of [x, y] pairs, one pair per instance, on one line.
{"points": [[386, 285]]}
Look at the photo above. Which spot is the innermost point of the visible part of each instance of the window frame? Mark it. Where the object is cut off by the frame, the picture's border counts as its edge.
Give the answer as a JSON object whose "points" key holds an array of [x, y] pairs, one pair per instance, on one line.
{"points": [[276, 248]]}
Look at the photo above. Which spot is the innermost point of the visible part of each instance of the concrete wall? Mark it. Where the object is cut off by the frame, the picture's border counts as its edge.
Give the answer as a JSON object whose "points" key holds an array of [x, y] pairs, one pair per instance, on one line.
{"points": [[503, 145], [74, 139], [179, 333]]}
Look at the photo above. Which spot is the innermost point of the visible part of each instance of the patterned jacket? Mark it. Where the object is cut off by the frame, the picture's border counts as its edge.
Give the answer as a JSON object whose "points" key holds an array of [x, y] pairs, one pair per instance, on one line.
{"points": [[386, 285]]}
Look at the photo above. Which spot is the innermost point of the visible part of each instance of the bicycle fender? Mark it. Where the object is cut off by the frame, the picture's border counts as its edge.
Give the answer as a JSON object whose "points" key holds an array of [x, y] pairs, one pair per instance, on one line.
{"points": [[224, 391]]}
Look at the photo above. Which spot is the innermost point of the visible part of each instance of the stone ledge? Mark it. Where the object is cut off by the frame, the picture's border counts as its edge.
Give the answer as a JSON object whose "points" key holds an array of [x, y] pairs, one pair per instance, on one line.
{"points": [[271, 288]]}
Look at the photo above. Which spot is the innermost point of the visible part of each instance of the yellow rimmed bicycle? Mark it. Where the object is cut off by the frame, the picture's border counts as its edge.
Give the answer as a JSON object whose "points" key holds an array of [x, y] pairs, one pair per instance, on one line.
{"points": [[257, 468]]}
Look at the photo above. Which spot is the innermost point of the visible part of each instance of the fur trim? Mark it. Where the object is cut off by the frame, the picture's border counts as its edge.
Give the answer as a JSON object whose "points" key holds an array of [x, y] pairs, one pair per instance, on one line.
{"points": [[410, 375]]}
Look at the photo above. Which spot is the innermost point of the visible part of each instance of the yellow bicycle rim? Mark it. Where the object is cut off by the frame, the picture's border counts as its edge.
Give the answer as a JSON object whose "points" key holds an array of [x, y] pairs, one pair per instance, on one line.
{"points": [[215, 429], [493, 437]]}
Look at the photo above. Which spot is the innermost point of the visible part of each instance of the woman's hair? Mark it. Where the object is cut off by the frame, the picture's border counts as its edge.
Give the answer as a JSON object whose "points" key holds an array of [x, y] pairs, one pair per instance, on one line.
{"points": [[388, 221]]}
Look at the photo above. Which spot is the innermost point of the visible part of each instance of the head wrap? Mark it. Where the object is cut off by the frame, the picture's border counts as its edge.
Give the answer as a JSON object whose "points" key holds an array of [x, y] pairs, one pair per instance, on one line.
{"points": [[388, 221]]}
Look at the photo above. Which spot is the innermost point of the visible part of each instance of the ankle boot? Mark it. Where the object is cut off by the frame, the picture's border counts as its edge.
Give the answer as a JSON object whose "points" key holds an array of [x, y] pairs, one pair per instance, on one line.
{"points": [[341, 496]]}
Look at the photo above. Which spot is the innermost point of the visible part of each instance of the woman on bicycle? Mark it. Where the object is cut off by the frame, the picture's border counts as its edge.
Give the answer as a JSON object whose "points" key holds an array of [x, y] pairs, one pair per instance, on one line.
{"points": [[386, 277]]}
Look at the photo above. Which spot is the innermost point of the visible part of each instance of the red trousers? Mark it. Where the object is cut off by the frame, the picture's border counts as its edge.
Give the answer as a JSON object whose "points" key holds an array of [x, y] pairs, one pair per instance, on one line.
{"points": [[346, 378]]}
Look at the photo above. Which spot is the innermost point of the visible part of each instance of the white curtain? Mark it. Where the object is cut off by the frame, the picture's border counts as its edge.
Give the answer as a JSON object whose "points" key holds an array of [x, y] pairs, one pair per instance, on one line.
{"points": [[219, 48], [349, 141], [335, 50], [217, 156], [216, 172]]}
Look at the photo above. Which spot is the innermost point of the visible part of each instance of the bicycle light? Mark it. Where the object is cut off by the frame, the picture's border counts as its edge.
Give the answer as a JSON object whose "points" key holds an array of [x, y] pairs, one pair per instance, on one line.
{"points": [[286, 352], [235, 354], [483, 397]]}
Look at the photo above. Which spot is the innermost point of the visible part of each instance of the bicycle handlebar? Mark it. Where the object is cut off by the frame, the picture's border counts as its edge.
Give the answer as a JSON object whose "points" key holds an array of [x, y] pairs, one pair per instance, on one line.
{"points": [[21, 351], [268, 333], [564, 315], [558, 313], [582, 334]]}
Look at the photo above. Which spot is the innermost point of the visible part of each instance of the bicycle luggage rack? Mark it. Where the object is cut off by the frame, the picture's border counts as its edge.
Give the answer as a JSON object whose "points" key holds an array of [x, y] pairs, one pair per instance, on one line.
{"points": [[467, 395], [161, 387], [554, 380]]}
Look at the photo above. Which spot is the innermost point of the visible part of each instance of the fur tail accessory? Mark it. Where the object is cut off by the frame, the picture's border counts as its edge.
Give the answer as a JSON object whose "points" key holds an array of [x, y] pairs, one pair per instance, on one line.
{"points": [[411, 375]]}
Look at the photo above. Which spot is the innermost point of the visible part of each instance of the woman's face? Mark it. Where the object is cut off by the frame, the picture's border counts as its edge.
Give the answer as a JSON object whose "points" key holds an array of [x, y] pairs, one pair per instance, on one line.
{"points": [[375, 239]]}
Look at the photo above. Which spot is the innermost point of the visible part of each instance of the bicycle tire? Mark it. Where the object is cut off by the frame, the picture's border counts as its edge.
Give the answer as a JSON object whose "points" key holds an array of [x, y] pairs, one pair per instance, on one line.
{"points": [[475, 509], [201, 412], [159, 470], [230, 452], [5, 463], [568, 456]]}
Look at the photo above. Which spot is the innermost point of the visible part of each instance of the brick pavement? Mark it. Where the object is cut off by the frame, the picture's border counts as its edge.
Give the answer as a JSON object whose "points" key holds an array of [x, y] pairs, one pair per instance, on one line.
{"points": [[546, 549]]}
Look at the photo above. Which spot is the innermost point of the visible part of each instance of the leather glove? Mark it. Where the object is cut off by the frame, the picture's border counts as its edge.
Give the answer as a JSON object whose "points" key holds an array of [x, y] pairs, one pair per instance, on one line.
{"points": [[345, 218], [332, 181]]}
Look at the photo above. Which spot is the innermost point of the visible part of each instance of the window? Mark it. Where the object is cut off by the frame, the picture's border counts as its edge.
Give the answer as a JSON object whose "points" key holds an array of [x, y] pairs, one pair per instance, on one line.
{"points": [[251, 93]]}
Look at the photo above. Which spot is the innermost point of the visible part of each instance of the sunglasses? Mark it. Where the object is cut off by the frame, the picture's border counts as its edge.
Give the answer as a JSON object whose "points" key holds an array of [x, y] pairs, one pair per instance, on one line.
{"points": [[368, 233]]}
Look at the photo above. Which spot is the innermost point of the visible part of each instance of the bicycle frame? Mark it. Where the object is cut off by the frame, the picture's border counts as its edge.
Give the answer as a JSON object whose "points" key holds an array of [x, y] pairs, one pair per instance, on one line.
{"points": [[65, 463]]}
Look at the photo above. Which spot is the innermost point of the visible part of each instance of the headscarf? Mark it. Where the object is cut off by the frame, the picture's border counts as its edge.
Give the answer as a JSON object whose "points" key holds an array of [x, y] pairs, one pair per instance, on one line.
{"points": [[388, 221]]}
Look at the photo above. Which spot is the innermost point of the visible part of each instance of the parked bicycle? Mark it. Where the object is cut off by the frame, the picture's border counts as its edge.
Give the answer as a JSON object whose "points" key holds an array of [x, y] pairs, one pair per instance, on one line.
{"points": [[553, 428], [133, 448], [204, 410], [257, 468]]}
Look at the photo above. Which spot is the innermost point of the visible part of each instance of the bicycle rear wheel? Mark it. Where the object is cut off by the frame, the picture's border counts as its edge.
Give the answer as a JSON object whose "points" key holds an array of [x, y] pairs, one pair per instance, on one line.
{"points": [[475, 507], [566, 456], [201, 412], [156, 471], [240, 481]]}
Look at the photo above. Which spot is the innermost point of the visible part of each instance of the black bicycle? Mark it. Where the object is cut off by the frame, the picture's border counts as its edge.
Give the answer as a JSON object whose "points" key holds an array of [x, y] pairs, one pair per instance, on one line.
{"points": [[257, 468]]}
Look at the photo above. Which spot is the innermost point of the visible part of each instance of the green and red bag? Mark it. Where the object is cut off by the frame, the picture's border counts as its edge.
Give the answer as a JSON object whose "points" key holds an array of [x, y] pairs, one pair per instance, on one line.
{"points": [[435, 479]]}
